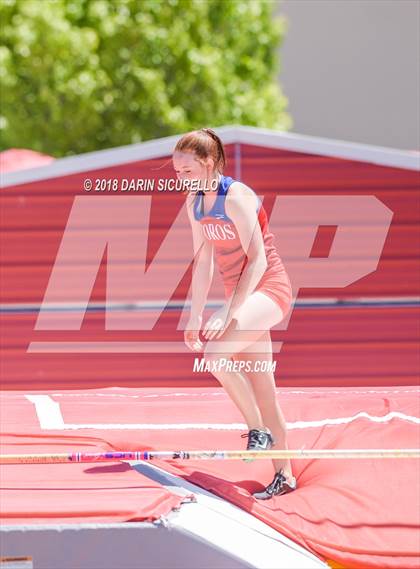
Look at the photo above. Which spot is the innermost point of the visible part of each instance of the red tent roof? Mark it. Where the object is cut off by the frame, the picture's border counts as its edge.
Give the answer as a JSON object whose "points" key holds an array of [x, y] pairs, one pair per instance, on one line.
{"points": [[22, 159]]}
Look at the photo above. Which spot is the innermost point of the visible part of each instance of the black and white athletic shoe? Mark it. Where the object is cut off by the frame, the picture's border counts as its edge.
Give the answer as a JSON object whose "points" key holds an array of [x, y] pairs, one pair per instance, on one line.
{"points": [[277, 487], [258, 440]]}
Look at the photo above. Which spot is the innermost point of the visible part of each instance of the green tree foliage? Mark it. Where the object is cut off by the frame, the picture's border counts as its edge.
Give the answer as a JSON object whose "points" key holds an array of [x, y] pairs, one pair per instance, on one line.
{"points": [[81, 75]]}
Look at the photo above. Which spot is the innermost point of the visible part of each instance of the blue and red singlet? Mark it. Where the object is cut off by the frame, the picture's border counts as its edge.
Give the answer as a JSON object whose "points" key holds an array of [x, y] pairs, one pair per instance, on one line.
{"points": [[230, 255]]}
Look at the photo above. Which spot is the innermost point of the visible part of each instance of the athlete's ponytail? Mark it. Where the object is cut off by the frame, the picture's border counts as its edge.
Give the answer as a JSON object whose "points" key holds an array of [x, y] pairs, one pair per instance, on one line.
{"points": [[220, 161], [204, 143]]}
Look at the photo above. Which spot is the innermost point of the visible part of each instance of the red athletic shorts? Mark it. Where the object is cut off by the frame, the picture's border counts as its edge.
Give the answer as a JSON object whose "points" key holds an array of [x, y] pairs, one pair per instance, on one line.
{"points": [[277, 287]]}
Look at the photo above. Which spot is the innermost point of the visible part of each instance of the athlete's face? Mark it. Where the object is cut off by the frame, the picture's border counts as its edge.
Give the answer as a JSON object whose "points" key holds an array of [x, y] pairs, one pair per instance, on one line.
{"points": [[188, 167]]}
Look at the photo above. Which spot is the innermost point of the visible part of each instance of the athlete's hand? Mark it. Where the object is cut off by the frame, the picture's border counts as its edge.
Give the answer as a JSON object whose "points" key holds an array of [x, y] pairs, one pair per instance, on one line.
{"points": [[217, 323], [192, 334]]}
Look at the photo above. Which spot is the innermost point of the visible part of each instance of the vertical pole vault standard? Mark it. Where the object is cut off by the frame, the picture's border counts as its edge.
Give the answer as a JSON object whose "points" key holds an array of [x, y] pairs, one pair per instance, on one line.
{"points": [[206, 455]]}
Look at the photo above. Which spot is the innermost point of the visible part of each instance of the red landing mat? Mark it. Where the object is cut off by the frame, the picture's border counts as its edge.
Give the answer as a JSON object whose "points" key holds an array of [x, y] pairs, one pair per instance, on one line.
{"points": [[360, 512]]}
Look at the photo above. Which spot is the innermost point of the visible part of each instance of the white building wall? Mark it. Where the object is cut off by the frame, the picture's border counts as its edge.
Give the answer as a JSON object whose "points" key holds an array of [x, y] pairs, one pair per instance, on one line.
{"points": [[351, 71]]}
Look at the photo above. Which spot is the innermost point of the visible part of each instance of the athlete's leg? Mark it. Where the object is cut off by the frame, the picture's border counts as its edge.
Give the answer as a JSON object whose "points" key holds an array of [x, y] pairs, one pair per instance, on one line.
{"points": [[251, 321], [264, 387], [236, 385]]}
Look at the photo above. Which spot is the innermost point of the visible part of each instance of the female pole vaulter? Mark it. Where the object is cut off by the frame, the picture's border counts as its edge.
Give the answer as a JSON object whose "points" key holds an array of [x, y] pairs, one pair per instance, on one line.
{"points": [[229, 223]]}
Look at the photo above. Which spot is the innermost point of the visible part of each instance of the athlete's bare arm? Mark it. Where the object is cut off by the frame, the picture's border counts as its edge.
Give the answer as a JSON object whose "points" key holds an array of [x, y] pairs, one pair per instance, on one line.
{"points": [[203, 268]]}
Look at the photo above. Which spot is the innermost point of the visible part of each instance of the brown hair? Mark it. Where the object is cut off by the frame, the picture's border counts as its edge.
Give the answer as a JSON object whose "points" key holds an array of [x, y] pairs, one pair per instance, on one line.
{"points": [[204, 143]]}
